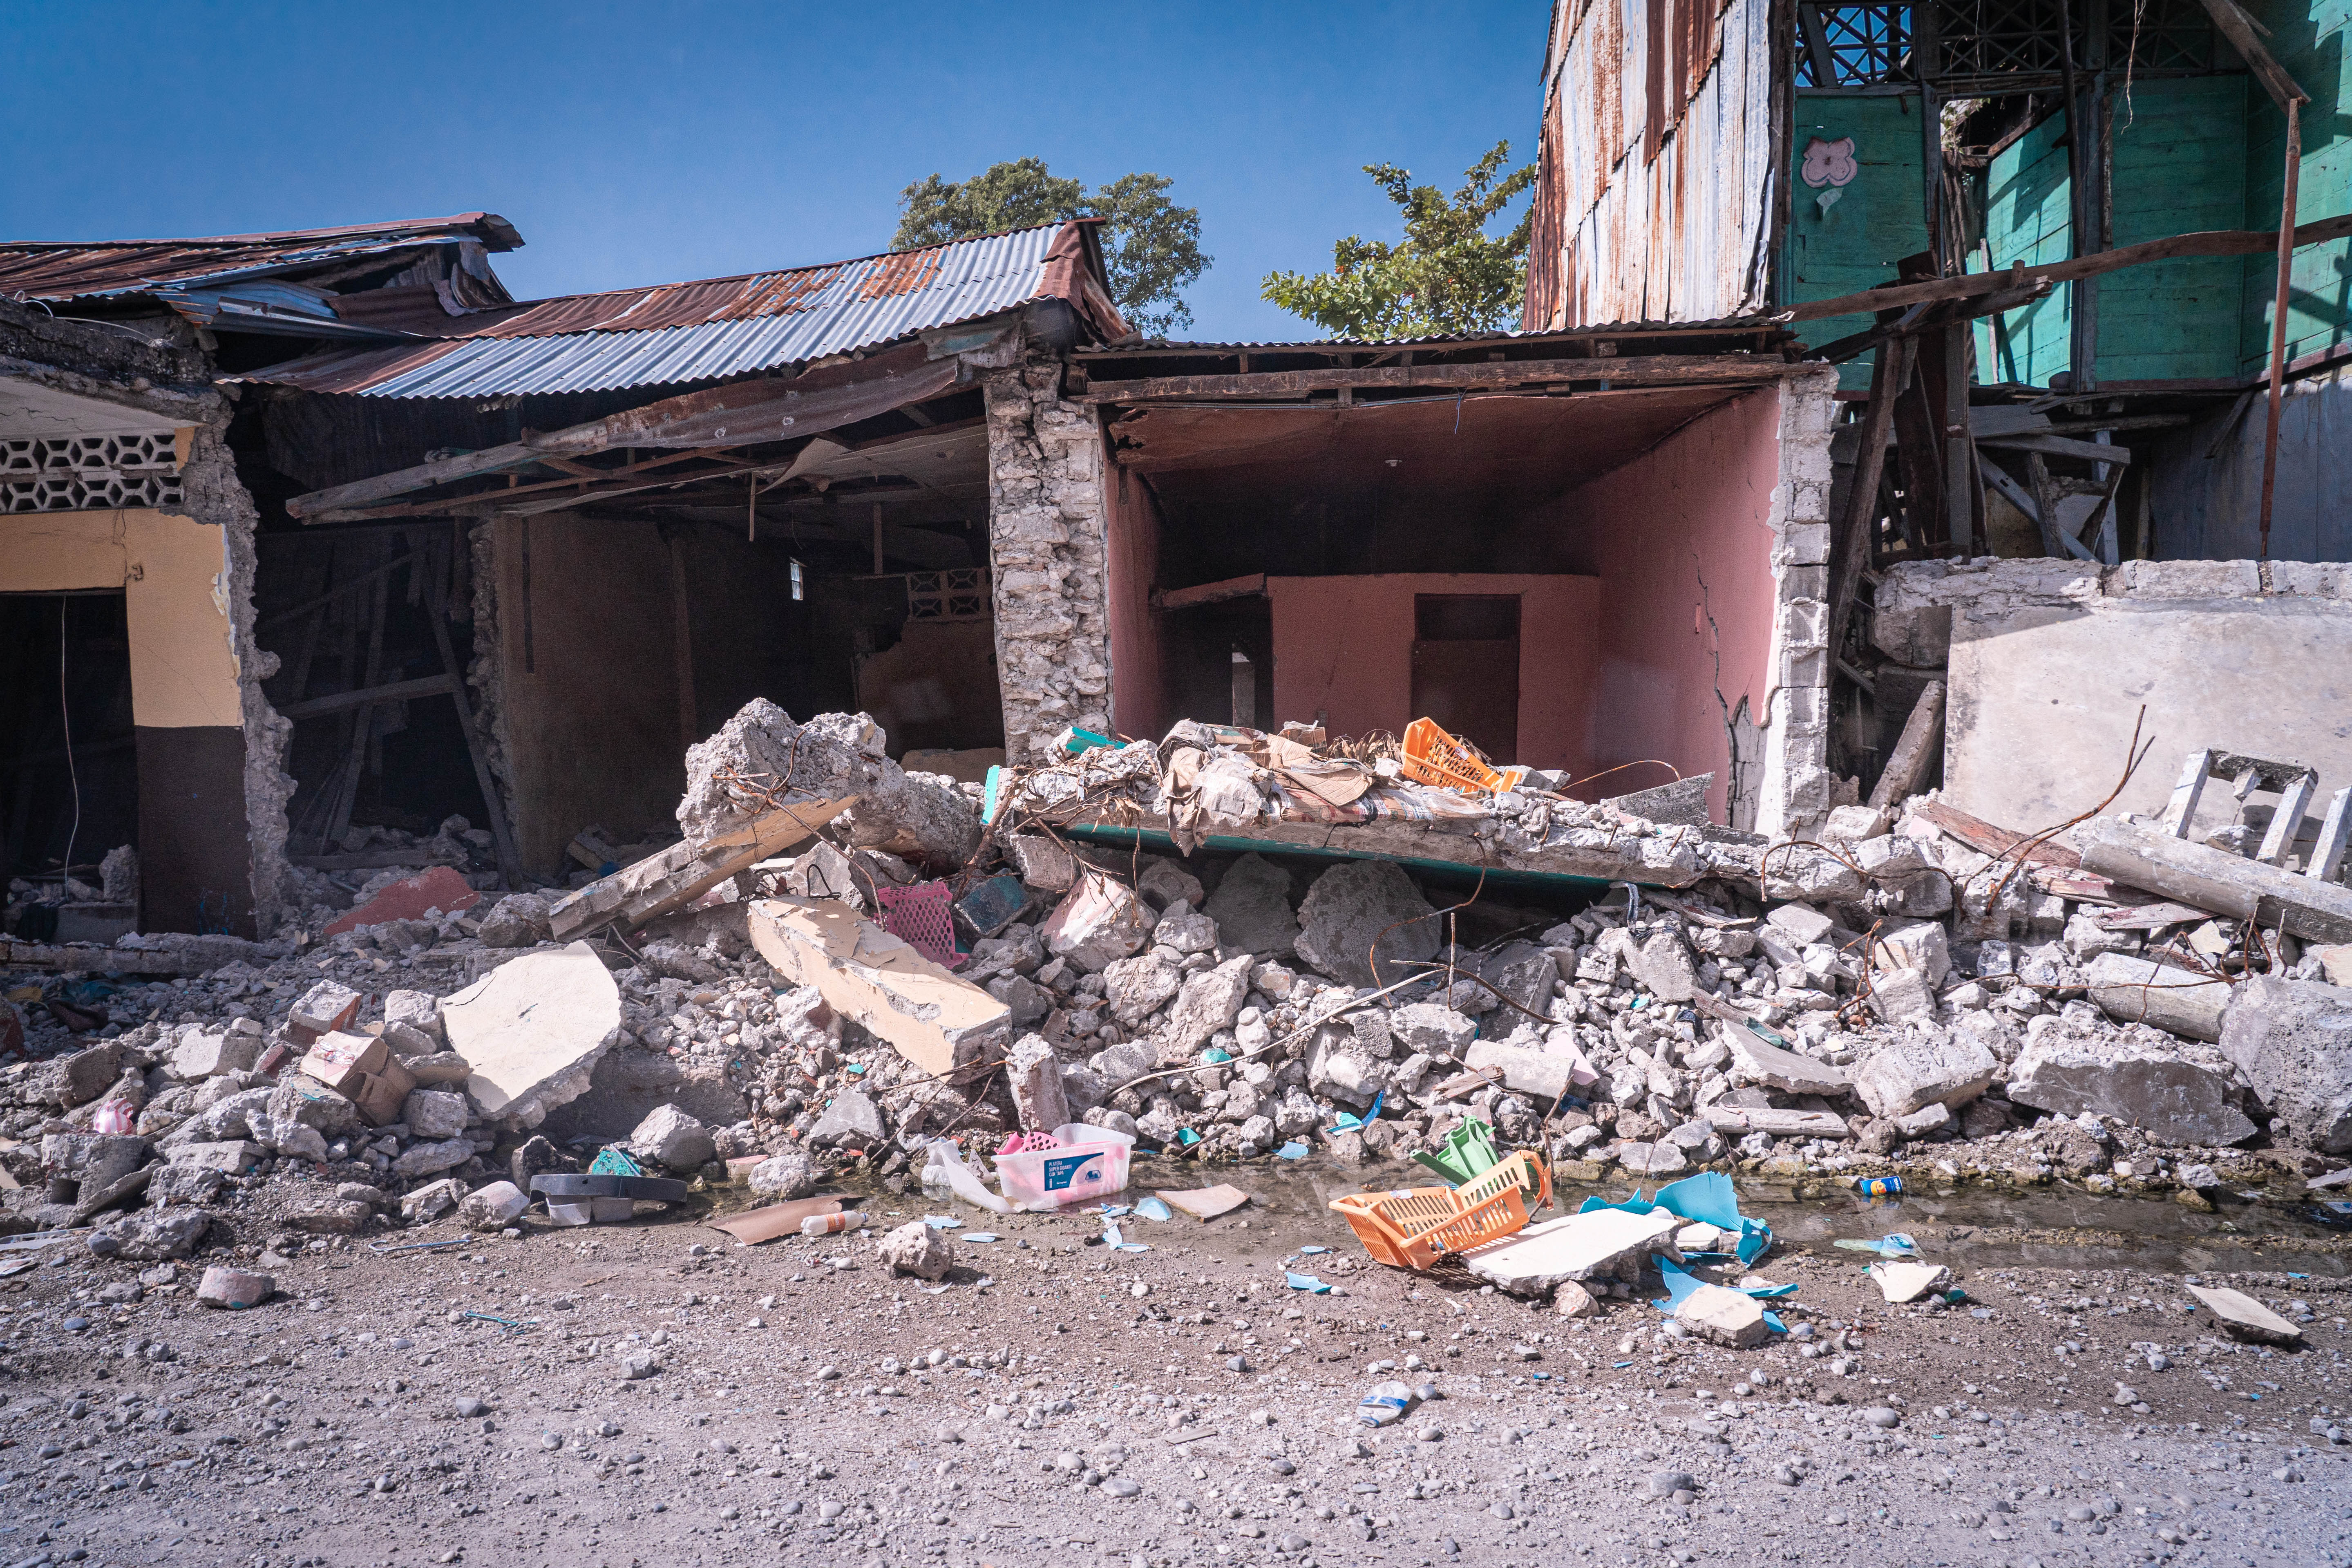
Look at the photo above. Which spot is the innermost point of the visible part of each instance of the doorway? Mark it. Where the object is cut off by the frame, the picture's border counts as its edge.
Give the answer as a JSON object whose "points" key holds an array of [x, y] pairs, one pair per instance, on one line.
{"points": [[1465, 668]]}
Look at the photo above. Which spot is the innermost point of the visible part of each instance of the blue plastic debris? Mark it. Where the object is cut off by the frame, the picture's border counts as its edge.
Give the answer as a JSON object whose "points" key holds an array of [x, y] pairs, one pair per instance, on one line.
{"points": [[942, 1222], [1709, 1197], [614, 1161], [1895, 1243], [1186, 1137], [1311, 1251], [1303, 1282], [1350, 1121], [981, 1235], [1152, 1208], [1293, 1150]]}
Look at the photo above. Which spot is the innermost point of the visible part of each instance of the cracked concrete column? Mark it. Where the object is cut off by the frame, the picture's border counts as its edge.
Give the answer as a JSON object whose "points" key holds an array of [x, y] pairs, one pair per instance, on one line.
{"points": [[1795, 793], [1048, 558]]}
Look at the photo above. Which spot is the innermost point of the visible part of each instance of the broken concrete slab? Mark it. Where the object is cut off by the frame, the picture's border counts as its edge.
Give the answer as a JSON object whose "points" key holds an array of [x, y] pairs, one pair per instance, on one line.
{"points": [[2164, 1093], [1548, 1074], [939, 1022], [1355, 905], [1252, 908], [1098, 922], [234, 1288], [2244, 1318], [2143, 855], [1903, 1280], [1209, 1001], [760, 759], [667, 881], [2135, 990], [532, 1030], [439, 889], [1776, 1121], [1602, 1242], [1755, 1061], [1920, 1067], [1723, 1316], [1681, 803], [2292, 1040], [203, 1054], [493, 1206]]}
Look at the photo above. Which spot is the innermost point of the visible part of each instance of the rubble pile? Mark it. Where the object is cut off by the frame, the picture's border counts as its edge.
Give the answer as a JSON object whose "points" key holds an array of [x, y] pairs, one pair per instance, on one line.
{"points": [[1926, 1007]]}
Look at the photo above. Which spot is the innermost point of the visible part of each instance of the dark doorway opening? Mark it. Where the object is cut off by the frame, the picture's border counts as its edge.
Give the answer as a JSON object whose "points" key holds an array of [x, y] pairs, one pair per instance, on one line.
{"points": [[1465, 668], [65, 677]]}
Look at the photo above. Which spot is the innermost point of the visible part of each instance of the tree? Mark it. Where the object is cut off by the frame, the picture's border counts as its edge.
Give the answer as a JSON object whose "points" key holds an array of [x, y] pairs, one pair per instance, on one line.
{"points": [[1151, 247], [1447, 276]]}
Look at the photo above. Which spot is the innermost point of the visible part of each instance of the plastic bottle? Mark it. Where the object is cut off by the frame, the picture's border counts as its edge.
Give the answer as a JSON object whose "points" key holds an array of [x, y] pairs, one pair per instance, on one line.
{"points": [[1387, 1402], [828, 1224]]}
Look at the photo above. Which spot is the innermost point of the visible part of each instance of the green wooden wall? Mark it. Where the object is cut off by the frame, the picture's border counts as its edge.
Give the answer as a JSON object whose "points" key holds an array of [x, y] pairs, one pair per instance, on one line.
{"points": [[2309, 41], [1855, 241], [2179, 167], [2026, 218]]}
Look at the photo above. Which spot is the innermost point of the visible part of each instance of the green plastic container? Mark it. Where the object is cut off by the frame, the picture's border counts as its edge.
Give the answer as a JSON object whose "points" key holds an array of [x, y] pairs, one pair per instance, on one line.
{"points": [[1468, 1151]]}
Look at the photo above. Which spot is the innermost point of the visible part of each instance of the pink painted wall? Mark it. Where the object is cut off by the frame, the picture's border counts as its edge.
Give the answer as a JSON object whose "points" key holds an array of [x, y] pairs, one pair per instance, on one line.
{"points": [[1345, 645], [1138, 688], [1681, 539]]}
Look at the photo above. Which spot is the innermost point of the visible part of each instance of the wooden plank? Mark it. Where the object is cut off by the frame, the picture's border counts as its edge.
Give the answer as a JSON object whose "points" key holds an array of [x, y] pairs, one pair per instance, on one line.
{"points": [[2182, 807], [2014, 493], [1986, 839], [744, 414], [1659, 369], [2059, 446], [2152, 917], [2236, 26], [2287, 821], [344, 701], [1921, 733], [2216, 242], [2328, 854], [1246, 588]]}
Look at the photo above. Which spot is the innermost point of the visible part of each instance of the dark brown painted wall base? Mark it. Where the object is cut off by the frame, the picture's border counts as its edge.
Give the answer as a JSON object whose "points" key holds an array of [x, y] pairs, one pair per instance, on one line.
{"points": [[194, 862]]}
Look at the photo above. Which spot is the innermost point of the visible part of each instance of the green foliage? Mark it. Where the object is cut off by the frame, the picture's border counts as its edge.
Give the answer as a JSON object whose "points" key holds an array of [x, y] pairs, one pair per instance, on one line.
{"points": [[1447, 276], [1151, 247]]}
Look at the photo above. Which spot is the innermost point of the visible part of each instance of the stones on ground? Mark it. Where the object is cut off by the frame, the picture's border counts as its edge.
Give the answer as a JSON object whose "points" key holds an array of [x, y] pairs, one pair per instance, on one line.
{"points": [[150, 1235], [518, 920], [1724, 1316], [781, 1177], [1361, 910], [1184, 928], [2292, 1039], [1757, 1060], [673, 1140], [1208, 1002], [1662, 966], [1570, 1299], [1140, 986], [1252, 908], [916, 1248], [1431, 1030], [1098, 922], [851, 1121], [1884, 1417], [234, 1288], [434, 1113], [431, 1159], [1543, 1073], [1659, 1159], [2130, 990], [1923, 1066], [2246, 1318], [2156, 1087], [493, 1206]]}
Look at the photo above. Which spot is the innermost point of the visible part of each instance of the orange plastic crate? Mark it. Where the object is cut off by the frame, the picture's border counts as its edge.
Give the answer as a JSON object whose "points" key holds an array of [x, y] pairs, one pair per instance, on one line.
{"points": [[1433, 757], [1413, 1228]]}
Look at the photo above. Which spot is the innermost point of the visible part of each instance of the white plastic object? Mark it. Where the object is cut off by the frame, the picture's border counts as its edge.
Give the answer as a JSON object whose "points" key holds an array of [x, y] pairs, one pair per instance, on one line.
{"points": [[1387, 1402], [943, 1160], [1091, 1163], [828, 1224]]}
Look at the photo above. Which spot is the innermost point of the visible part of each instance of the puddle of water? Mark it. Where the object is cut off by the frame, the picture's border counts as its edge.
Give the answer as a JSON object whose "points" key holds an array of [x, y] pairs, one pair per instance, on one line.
{"points": [[1970, 1227]]}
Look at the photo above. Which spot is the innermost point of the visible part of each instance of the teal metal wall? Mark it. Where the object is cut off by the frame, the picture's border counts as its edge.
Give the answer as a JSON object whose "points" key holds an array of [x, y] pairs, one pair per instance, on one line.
{"points": [[1879, 217]]}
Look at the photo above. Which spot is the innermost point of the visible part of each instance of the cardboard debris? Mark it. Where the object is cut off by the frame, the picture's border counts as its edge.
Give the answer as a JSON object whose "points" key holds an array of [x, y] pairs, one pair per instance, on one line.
{"points": [[935, 1020], [533, 1029], [754, 1227], [667, 881], [1205, 1203], [363, 1070]]}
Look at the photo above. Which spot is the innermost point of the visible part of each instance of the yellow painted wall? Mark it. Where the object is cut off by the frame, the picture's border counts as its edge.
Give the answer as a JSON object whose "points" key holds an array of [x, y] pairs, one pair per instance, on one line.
{"points": [[174, 574]]}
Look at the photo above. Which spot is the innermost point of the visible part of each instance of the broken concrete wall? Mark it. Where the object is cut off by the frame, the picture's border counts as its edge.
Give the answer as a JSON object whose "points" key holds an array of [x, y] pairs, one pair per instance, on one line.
{"points": [[209, 747], [1048, 557], [2049, 663], [1713, 559]]}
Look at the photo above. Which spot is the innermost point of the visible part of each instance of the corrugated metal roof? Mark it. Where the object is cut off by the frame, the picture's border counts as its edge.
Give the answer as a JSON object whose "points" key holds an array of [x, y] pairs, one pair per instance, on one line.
{"points": [[1757, 323], [702, 331], [75, 270]]}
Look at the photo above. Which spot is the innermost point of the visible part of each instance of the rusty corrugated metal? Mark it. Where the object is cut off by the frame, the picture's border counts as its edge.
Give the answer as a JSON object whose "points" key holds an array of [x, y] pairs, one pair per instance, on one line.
{"points": [[70, 271], [712, 328], [1661, 210]]}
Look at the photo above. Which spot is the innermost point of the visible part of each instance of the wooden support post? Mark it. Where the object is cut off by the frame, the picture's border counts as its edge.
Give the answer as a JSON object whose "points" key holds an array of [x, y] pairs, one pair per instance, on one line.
{"points": [[2279, 301], [2181, 809], [2045, 504], [502, 838], [1922, 732], [682, 643], [347, 795], [1959, 453], [1850, 544]]}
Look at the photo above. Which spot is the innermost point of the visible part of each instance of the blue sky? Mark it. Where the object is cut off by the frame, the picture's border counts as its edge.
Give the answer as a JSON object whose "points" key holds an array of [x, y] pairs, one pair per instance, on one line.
{"points": [[644, 143]]}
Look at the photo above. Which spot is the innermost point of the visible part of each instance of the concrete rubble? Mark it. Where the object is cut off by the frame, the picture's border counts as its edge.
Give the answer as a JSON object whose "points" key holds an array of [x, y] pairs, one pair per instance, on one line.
{"points": [[1692, 1015]]}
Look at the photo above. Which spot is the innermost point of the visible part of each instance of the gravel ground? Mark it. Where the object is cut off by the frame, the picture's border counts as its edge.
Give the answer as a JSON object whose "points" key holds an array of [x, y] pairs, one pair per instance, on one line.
{"points": [[1059, 1403]]}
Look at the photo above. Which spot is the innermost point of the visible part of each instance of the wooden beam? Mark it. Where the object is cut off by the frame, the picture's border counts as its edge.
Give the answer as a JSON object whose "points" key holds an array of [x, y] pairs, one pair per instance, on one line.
{"points": [[1247, 587], [2051, 445], [1923, 732], [2211, 242], [344, 701], [744, 414], [2239, 28], [1656, 370], [1850, 540]]}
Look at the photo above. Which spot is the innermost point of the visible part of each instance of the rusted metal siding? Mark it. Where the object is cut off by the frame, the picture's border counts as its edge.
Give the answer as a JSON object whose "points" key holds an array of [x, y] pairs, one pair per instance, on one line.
{"points": [[67, 270], [1674, 235]]}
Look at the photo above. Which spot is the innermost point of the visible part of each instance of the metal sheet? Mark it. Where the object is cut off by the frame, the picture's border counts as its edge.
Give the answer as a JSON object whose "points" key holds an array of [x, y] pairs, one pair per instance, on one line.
{"points": [[697, 331], [70, 271]]}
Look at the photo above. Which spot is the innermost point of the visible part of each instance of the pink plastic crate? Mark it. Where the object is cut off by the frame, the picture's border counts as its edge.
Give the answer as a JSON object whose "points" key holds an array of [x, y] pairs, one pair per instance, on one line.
{"points": [[920, 917]]}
